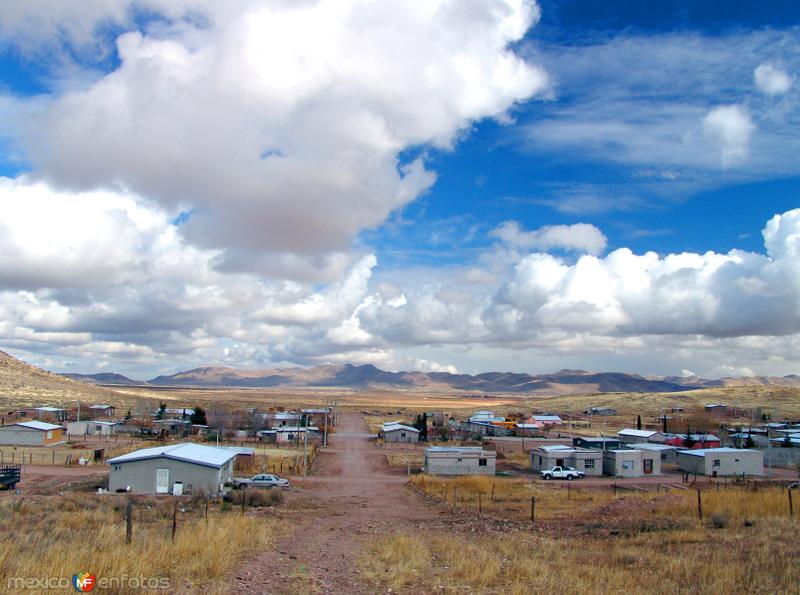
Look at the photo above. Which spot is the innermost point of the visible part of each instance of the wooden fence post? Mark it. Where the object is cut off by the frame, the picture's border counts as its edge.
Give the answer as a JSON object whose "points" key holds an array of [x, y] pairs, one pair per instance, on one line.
{"points": [[455, 495], [128, 521], [791, 504], [615, 488], [492, 496], [533, 510], [569, 491], [699, 505], [244, 500], [480, 504], [207, 511], [174, 520]]}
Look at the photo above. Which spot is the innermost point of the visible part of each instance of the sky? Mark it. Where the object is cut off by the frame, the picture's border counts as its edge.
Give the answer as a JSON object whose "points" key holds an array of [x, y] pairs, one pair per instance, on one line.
{"points": [[440, 185]]}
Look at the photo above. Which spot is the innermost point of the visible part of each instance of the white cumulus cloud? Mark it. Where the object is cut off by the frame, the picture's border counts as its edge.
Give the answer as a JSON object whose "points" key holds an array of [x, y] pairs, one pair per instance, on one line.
{"points": [[731, 127], [580, 237], [771, 80]]}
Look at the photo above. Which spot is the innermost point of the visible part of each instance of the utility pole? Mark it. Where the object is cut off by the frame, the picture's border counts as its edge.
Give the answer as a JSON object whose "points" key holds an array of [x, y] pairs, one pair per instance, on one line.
{"points": [[325, 431], [79, 411], [305, 447], [769, 450]]}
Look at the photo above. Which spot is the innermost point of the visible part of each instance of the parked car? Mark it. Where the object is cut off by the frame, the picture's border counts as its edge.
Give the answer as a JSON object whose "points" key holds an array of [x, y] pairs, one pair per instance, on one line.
{"points": [[568, 473], [262, 480]]}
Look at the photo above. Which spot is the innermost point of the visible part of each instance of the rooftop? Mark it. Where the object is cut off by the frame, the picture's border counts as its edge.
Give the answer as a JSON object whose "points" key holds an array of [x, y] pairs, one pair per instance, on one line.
{"points": [[701, 452], [637, 433], [37, 425], [209, 456]]}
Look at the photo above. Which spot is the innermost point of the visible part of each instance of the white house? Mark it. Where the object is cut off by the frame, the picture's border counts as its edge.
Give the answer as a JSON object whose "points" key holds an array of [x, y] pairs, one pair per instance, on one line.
{"points": [[394, 431]]}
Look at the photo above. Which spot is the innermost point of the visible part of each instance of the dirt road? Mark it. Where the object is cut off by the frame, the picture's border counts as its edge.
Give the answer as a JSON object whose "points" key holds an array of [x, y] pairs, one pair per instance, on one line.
{"points": [[352, 495]]}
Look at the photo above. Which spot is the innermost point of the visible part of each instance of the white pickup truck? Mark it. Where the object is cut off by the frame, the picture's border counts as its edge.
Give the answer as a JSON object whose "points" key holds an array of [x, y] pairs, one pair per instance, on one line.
{"points": [[262, 480], [568, 473]]}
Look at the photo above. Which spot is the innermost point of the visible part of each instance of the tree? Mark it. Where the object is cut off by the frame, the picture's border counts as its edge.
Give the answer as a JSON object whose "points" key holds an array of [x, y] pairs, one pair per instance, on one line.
{"points": [[689, 442], [162, 409], [128, 415], [198, 417], [638, 422], [422, 425], [787, 442], [748, 442]]}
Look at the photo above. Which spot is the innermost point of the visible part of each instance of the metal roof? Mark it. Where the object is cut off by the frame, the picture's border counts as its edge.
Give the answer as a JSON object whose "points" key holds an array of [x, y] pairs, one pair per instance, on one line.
{"points": [[637, 433], [101, 407], [647, 446], [393, 426], [701, 452], [38, 425], [49, 409], [465, 449], [546, 418], [239, 450], [210, 456]]}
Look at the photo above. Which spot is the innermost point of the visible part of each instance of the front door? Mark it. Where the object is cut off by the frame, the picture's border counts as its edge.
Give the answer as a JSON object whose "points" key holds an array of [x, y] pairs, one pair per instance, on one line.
{"points": [[648, 466], [162, 481]]}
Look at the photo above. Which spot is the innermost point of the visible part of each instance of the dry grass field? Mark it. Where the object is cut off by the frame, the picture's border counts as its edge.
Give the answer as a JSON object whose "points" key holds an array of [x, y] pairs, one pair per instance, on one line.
{"points": [[595, 542], [58, 536]]}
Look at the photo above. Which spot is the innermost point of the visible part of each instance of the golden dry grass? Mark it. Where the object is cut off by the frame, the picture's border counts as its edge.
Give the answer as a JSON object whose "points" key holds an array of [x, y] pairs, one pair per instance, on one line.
{"points": [[698, 559], [59, 536]]}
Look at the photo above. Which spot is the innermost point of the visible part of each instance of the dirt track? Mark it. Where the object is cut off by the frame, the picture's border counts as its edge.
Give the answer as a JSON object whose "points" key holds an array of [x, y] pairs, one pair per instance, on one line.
{"points": [[353, 494]]}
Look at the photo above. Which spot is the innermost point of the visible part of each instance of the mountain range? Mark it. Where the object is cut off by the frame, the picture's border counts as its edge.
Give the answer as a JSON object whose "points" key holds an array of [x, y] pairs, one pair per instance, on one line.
{"points": [[369, 376]]}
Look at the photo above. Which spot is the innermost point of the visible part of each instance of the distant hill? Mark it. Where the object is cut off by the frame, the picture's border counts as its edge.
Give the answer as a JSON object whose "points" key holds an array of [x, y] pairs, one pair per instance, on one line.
{"points": [[22, 383], [369, 376], [105, 378]]}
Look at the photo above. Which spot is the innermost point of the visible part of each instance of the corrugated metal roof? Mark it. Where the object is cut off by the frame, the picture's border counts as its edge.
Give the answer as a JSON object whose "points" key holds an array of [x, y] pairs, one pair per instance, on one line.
{"points": [[395, 425], [466, 449], [101, 407], [701, 452], [209, 456], [38, 425], [636, 433], [50, 409]]}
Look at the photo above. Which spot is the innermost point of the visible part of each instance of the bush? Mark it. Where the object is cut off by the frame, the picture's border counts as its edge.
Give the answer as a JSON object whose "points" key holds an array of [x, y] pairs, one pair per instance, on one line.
{"points": [[719, 521], [256, 498]]}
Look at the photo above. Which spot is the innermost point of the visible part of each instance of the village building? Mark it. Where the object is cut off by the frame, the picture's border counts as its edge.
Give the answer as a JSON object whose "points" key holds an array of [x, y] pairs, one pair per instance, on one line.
{"points": [[631, 436], [546, 420], [583, 459], [668, 454], [176, 469], [459, 460], [597, 442], [91, 428], [394, 431], [31, 433], [603, 411], [716, 408], [101, 411], [722, 462], [630, 462], [693, 441], [527, 429], [288, 434]]}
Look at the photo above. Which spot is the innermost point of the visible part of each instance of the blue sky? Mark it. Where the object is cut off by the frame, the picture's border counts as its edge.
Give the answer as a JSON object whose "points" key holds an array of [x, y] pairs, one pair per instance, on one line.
{"points": [[260, 185]]}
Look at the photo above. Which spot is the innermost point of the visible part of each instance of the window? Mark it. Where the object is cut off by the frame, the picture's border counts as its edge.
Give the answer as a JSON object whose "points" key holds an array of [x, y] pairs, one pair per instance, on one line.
{"points": [[627, 465], [117, 467], [402, 434], [588, 464], [23, 414], [481, 462], [716, 463], [459, 460], [735, 460], [49, 434], [540, 459]]}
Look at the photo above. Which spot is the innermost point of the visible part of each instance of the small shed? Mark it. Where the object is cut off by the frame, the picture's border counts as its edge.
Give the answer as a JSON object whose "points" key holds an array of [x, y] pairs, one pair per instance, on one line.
{"points": [[630, 462], [459, 460], [91, 428], [175, 469], [631, 436], [589, 461], [394, 431], [603, 411], [597, 442], [102, 411], [722, 462], [31, 433]]}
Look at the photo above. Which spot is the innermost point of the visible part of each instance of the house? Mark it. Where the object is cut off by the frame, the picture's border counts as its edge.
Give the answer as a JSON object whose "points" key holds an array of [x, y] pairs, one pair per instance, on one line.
{"points": [[317, 416], [696, 441], [288, 434], [631, 462], [486, 428], [172, 426], [588, 460], [597, 442], [91, 428], [53, 414], [101, 411], [527, 430], [394, 431], [546, 420], [630, 436], [459, 460], [485, 416], [667, 453], [716, 408], [31, 433], [245, 456], [722, 462], [276, 419], [600, 411], [174, 469]]}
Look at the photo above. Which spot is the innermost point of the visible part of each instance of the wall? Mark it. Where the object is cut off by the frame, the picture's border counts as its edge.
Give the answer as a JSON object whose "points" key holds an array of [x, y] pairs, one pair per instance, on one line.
{"points": [[398, 436], [141, 475], [19, 436], [750, 462], [459, 464]]}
